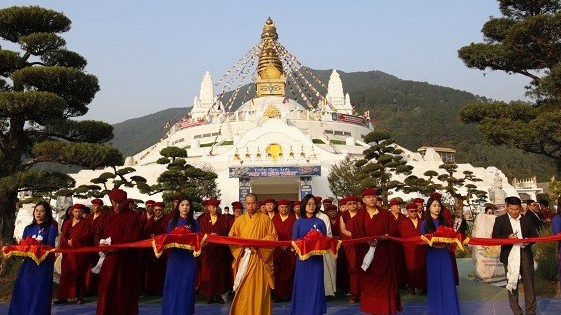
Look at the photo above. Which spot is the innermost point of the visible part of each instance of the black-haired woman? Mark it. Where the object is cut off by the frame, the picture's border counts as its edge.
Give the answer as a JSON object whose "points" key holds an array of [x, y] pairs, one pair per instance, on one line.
{"points": [[441, 283], [34, 283], [308, 296], [179, 285]]}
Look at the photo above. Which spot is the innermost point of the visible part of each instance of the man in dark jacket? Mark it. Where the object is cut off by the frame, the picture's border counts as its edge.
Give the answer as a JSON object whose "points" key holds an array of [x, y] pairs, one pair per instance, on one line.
{"points": [[518, 258]]}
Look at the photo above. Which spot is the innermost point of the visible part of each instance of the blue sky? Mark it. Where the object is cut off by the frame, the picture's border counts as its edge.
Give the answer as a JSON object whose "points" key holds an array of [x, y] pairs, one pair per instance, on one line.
{"points": [[152, 55]]}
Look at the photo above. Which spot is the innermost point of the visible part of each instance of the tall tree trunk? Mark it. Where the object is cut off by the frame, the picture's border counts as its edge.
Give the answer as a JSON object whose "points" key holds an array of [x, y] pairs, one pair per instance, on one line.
{"points": [[8, 209], [459, 205]]}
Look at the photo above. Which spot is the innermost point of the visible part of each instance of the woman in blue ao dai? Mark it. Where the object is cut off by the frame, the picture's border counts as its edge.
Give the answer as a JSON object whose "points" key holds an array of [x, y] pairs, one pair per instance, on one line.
{"points": [[179, 285], [441, 283], [34, 283], [308, 295]]}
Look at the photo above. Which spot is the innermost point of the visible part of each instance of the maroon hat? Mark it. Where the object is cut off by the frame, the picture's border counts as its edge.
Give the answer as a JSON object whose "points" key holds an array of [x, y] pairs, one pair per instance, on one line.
{"points": [[176, 197], [260, 204], [419, 200], [149, 202], [351, 198], [318, 199], [283, 202], [436, 195], [159, 204], [411, 206], [395, 202], [331, 207], [343, 201], [369, 192], [205, 202], [296, 203], [237, 205], [213, 202], [118, 195], [97, 201], [79, 206], [268, 200], [327, 201]]}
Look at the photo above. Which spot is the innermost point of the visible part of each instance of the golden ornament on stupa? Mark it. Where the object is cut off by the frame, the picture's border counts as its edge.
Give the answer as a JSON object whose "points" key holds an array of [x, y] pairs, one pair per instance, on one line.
{"points": [[270, 73]]}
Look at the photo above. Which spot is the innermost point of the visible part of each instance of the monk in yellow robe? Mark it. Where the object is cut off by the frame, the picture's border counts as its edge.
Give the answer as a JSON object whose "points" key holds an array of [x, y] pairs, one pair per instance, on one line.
{"points": [[253, 266]]}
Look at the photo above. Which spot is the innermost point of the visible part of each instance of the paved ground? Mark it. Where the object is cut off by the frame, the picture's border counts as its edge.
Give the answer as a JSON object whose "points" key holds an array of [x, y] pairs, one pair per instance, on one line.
{"points": [[475, 299]]}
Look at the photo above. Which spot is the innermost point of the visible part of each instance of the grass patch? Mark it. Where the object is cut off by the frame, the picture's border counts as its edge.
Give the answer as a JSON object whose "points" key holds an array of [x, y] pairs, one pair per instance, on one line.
{"points": [[318, 141], [229, 142], [340, 142]]}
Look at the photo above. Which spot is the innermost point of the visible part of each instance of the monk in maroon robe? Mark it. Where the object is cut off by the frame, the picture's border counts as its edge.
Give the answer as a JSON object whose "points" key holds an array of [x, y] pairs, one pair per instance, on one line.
{"points": [[94, 218], [119, 284], [155, 267], [415, 255], [342, 272], [397, 247], [347, 225], [75, 233], [215, 276], [284, 260], [237, 209], [379, 293]]}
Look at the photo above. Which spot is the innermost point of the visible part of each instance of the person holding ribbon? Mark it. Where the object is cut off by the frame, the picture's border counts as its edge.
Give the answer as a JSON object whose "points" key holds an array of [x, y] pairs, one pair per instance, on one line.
{"points": [[441, 283], [253, 266], [181, 272], [308, 294], [75, 233], [379, 293], [119, 284], [34, 283], [518, 258]]}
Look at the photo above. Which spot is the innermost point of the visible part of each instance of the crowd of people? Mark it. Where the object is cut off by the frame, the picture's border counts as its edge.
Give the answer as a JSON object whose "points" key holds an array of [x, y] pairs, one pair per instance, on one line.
{"points": [[372, 272]]}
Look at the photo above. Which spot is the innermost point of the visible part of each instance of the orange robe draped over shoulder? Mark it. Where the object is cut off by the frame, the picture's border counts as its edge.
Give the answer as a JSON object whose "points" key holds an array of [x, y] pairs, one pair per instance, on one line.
{"points": [[253, 296]]}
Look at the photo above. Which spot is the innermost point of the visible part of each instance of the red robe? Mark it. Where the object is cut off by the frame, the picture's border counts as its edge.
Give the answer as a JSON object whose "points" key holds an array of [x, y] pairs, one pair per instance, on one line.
{"points": [[342, 272], [284, 260], [353, 266], [73, 266], [91, 278], [119, 284], [415, 256], [215, 276], [155, 271], [379, 293], [399, 255]]}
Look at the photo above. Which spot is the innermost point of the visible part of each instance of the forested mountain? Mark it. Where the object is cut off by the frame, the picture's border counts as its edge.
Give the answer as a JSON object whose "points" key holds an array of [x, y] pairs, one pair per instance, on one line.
{"points": [[415, 113]]}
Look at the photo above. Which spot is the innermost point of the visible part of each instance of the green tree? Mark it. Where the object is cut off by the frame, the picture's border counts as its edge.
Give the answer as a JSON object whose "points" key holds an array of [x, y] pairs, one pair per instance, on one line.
{"points": [[42, 87], [343, 178], [454, 183], [381, 161], [180, 177], [524, 41], [105, 182], [425, 186]]}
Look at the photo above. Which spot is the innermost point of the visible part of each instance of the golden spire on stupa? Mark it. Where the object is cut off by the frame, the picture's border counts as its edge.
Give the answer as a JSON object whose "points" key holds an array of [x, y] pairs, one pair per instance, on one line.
{"points": [[270, 75], [269, 52]]}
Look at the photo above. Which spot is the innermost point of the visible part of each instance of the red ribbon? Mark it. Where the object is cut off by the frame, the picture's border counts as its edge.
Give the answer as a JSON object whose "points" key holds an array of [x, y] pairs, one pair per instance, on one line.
{"points": [[39, 252], [28, 247], [314, 243]]}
